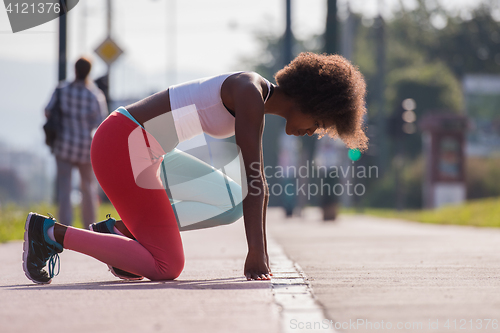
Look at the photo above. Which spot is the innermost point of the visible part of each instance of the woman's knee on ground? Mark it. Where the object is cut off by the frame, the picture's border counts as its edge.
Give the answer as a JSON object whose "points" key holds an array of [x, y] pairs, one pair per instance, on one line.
{"points": [[168, 271]]}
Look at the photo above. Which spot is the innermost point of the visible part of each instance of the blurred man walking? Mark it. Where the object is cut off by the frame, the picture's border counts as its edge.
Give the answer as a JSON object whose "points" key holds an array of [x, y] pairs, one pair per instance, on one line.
{"points": [[83, 107]]}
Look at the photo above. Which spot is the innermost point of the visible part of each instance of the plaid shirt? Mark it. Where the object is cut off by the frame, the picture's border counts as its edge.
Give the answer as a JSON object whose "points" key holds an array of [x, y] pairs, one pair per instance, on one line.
{"points": [[83, 107]]}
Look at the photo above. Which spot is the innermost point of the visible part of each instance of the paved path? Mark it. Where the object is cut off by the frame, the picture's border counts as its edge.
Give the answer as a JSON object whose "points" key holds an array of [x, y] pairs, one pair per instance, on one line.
{"points": [[363, 272], [365, 269], [211, 295]]}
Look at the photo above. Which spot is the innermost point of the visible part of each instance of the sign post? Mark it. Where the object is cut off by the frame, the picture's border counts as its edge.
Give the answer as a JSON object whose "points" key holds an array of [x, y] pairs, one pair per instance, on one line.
{"points": [[108, 51], [443, 143]]}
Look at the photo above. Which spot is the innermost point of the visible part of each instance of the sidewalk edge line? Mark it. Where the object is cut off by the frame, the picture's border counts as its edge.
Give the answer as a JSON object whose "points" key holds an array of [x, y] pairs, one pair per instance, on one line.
{"points": [[300, 311]]}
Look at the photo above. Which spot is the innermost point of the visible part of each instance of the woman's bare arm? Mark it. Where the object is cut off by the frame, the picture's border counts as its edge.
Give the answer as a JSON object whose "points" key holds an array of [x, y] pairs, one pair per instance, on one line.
{"points": [[249, 109], [150, 107], [266, 200]]}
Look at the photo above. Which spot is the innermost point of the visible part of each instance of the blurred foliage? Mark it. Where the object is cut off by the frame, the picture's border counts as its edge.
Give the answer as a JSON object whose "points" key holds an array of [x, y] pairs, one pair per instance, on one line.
{"points": [[409, 74], [11, 187], [482, 180], [428, 50], [483, 177], [412, 180], [13, 218], [431, 44], [484, 106], [433, 87], [469, 42], [381, 192]]}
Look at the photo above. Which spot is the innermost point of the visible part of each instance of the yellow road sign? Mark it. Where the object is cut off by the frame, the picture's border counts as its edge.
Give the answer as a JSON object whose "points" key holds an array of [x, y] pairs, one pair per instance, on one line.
{"points": [[108, 51]]}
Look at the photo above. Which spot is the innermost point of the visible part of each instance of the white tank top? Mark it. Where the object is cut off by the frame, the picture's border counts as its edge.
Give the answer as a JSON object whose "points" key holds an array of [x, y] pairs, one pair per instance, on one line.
{"points": [[202, 98]]}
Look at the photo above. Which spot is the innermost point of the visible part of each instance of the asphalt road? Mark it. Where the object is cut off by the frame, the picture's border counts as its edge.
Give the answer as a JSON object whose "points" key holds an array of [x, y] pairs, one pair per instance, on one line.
{"points": [[372, 274], [211, 295], [367, 274]]}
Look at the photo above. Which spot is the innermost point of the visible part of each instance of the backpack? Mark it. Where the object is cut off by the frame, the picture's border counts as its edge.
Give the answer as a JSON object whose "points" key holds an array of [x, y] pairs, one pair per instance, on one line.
{"points": [[53, 124]]}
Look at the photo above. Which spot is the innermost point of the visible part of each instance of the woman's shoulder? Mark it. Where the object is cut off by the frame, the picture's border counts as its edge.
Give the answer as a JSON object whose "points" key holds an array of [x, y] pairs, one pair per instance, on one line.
{"points": [[243, 85], [246, 80], [249, 75]]}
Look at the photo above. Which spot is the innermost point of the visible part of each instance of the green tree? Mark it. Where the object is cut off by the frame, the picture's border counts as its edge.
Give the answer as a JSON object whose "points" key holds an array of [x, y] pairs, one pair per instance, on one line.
{"points": [[428, 51]]}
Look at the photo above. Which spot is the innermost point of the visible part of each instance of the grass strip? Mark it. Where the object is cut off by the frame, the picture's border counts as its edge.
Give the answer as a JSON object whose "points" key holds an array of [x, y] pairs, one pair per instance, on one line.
{"points": [[479, 213], [13, 217]]}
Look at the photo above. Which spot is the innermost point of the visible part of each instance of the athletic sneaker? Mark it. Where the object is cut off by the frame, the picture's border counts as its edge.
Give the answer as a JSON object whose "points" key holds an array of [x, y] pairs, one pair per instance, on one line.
{"points": [[39, 250], [107, 227], [104, 227]]}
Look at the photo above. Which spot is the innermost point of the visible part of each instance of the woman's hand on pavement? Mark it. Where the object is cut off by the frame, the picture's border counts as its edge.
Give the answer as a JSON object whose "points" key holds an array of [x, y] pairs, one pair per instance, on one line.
{"points": [[256, 267]]}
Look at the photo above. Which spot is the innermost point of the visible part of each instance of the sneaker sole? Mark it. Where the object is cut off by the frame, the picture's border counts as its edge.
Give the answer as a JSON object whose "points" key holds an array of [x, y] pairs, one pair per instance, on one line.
{"points": [[113, 271], [26, 249]]}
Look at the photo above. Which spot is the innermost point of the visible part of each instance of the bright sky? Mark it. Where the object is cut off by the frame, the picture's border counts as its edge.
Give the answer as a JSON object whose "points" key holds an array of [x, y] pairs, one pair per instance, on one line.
{"points": [[210, 38]]}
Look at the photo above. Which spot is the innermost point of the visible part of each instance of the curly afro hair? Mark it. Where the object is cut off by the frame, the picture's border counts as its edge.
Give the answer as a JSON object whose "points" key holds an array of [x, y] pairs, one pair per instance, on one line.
{"points": [[331, 89]]}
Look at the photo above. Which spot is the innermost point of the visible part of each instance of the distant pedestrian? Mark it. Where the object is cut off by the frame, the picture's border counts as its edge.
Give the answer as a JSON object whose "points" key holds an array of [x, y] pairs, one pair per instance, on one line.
{"points": [[288, 160], [83, 107]]}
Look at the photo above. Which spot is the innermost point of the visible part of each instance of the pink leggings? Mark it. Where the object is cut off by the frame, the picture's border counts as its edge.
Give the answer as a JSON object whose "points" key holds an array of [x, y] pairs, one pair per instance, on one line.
{"points": [[157, 254]]}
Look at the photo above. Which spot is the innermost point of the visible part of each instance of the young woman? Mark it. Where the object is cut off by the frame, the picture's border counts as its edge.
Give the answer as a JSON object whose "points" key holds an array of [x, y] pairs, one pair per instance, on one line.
{"points": [[322, 94]]}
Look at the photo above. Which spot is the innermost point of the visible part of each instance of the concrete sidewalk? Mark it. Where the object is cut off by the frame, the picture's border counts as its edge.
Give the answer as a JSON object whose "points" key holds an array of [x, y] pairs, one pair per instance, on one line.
{"points": [[371, 273], [366, 273], [211, 295]]}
